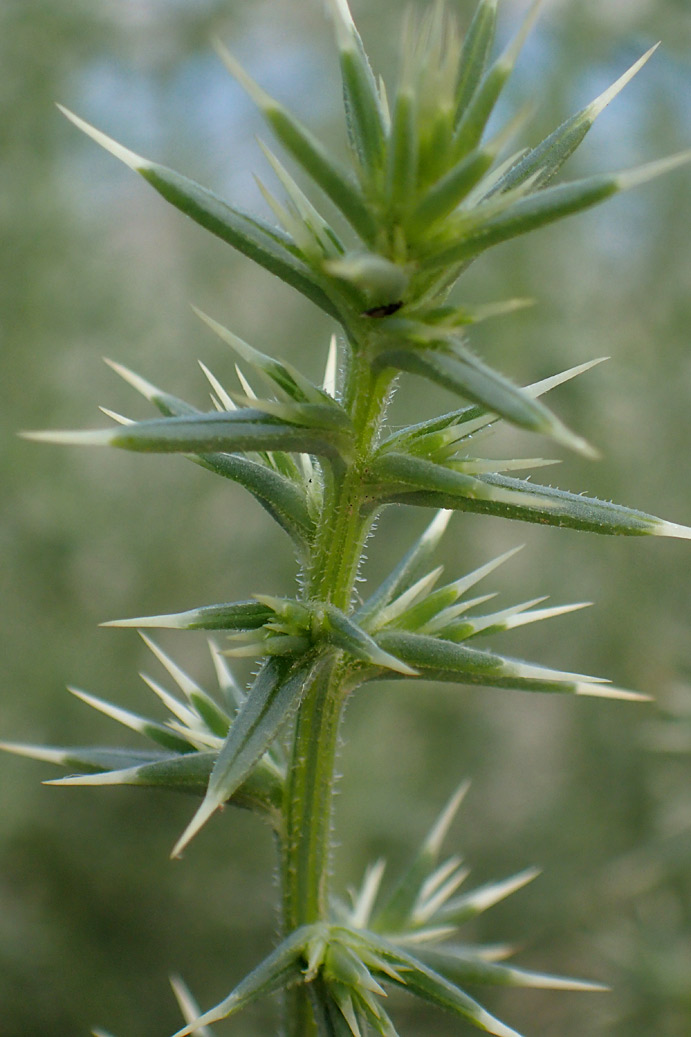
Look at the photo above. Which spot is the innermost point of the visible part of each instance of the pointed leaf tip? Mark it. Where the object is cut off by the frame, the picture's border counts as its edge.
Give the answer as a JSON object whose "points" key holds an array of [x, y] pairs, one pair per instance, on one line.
{"points": [[651, 170], [672, 529], [600, 103], [207, 808], [607, 691], [130, 158]]}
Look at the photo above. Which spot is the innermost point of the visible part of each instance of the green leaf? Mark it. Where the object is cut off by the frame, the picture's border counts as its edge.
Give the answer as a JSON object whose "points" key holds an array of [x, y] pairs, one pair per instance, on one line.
{"points": [[545, 206], [379, 281], [544, 161], [461, 969], [311, 220], [438, 659], [417, 473], [279, 374], [448, 192], [334, 181], [261, 790], [280, 496], [158, 733], [235, 615], [224, 431], [461, 372], [273, 698], [416, 978], [475, 53], [86, 759], [480, 104], [467, 906], [364, 118], [281, 969], [256, 240], [342, 631], [468, 421], [551, 506], [188, 1006], [407, 570], [402, 151], [505, 619], [397, 910]]}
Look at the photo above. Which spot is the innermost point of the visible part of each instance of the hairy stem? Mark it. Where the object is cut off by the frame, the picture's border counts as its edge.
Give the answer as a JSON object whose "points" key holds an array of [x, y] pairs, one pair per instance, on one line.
{"points": [[330, 577]]}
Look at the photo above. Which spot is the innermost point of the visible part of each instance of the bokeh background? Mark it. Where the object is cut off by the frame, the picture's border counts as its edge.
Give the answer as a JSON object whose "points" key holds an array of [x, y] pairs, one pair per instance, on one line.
{"points": [[93, 916]]}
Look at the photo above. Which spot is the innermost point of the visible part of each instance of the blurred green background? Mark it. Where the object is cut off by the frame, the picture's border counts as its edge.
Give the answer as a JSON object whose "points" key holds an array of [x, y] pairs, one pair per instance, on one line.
{"points": [[93, 916]]}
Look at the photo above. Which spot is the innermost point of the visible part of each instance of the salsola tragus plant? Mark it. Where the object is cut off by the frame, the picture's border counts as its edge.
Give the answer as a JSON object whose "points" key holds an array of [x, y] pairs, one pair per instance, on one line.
{"points": [[426, 194]]}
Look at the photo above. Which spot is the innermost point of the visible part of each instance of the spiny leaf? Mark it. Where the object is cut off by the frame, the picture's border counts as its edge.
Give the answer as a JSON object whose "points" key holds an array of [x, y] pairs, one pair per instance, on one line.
{"points": [[280, 374], [422, 981], [308, 151], [437, 659], [396, 911], [544, 207], [280, 969], [469, 905], [364, 899], [226, 432], [506, 619], [470, 420], [549, 156], [418, 473], [215, 719], [448, 192], [261, 790], [85, 759], [461, 372], [461, 970], [272, 699], [259, 242], [475, 53], [342, 631], [407, 569], [159, 733], [188, 1006], [480, 105], [364, 117], [323, 233], [236, 615], [276, 492], [546, 505]]}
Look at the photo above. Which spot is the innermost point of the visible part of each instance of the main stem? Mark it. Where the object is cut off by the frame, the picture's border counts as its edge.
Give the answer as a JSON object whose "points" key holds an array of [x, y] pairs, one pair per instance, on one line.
{"points": [[330, 577]]}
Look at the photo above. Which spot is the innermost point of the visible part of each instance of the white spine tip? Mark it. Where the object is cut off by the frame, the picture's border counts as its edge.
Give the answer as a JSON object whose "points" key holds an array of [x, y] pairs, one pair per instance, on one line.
{"points": [[672, 529], [601, 102], [606, 691], [130, 158], [67, 437], [196, 824]]}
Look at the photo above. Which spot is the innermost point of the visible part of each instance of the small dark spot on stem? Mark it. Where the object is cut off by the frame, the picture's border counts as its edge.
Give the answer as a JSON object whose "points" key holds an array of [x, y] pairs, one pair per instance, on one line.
{"points": [[383, 311]]}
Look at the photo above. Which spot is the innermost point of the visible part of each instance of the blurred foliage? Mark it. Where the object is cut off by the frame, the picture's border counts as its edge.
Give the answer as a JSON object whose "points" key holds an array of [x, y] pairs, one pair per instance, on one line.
{"points": [[93, 917]]}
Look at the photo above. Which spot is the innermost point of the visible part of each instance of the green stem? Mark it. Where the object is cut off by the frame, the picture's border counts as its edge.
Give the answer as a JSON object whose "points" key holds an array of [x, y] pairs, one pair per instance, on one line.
{"points": [[330, 577]]}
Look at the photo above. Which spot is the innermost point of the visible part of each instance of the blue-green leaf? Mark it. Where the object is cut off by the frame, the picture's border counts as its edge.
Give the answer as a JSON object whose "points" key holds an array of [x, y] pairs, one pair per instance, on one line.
{"points": [[264, 244], [407, 570], [235, 615], [334, 181], [551, 506], [475, 53], [273, 698], [437, 659], [221, 431], [364, 118], [546, 159], [281, 969], [458, 370]]}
